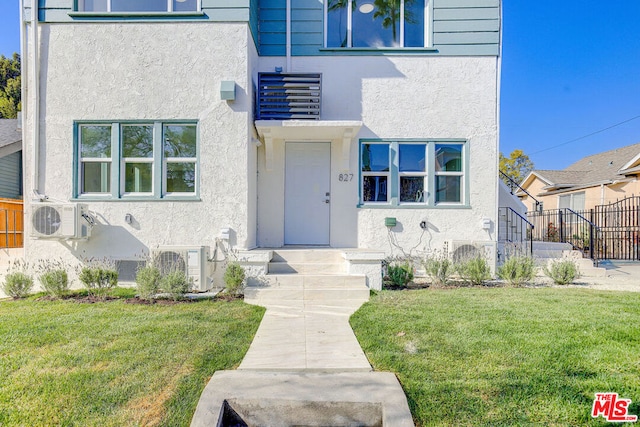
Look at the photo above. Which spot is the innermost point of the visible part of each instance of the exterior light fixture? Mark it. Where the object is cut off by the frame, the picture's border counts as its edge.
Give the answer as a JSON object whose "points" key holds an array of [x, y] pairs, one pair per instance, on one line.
{"points": [[366, 8]]}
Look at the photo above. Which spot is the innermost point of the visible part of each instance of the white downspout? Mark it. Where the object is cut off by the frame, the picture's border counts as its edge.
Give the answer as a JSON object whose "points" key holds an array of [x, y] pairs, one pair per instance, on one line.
{"points": [[288, 40], [35, 99], [602, 194]]}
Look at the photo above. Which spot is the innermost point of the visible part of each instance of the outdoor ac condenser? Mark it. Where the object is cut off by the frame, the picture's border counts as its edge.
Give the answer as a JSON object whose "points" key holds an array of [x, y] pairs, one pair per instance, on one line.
{"points": [[193, 260], [60, 221]]}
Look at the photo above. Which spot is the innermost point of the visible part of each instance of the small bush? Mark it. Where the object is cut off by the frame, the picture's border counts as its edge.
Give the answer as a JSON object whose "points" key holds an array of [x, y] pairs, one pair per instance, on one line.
{"points": [[148, 281], [176, 283], [17, 284], [55, 282], [474, 270], [234, 277], [439, 268], [98, 279], [562, 272], [517, 270], [399, 275]]}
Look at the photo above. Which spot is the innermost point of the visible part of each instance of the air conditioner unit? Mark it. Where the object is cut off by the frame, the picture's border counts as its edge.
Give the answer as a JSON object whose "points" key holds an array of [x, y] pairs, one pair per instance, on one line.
{"points": [[459, 250], [193, 260], [60, 221]]}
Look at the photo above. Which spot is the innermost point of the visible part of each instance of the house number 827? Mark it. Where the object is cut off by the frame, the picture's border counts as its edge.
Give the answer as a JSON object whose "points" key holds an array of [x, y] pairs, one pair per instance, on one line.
{"points": [[345, 177]]}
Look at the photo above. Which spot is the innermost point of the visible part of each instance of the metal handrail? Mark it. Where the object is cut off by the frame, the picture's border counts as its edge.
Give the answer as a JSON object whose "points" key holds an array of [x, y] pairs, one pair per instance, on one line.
{"points": [[592, 227], [523, 220], [515, 184]]}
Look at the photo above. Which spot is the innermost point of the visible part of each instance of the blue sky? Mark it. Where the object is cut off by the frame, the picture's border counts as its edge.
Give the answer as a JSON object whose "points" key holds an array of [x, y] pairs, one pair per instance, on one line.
{"points": [[569, 69]]}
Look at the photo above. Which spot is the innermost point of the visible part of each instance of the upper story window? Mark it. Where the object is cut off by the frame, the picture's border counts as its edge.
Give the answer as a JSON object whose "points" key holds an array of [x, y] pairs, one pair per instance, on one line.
{"points": [[376, 23], [138, 5]]}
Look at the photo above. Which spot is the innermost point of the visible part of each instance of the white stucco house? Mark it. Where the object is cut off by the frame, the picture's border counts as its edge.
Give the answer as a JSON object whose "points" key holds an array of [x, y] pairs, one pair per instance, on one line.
{"points": [[367, 127]]}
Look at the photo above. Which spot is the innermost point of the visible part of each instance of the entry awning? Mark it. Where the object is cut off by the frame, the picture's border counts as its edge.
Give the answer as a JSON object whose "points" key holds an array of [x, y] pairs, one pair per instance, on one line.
{"points": [[308, 130]]}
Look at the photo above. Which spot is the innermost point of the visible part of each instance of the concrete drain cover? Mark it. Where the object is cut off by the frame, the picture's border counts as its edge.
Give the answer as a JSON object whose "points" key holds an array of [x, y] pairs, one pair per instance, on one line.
{"points": [[288, 413]]}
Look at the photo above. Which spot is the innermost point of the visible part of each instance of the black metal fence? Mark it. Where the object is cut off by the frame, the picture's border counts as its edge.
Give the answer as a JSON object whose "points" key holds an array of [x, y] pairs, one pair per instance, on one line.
{"points": [[516, 230], [609, 231]]}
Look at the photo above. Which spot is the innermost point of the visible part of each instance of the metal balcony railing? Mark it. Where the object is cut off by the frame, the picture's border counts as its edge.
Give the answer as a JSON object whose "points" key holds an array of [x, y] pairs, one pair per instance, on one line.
{"points": [[289, 96]]}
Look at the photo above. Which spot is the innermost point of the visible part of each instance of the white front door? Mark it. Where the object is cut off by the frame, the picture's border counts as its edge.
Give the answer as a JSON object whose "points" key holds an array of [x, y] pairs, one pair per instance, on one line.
{"points": [[307, 193]]}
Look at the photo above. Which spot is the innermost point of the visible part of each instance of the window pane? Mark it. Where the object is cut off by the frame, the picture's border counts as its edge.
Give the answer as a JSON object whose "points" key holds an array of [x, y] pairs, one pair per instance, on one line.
{"points": [[448, 189], [185, 5], [412, 189], [376, 24], [412, 157], [92, 5], [138, 5], [181, 177], [137, 141], [414, 23], [96, 141], [180, 141], [374, 188], [138, 177], [449, 158], [337, 23], [95, 177], [375, 157]]}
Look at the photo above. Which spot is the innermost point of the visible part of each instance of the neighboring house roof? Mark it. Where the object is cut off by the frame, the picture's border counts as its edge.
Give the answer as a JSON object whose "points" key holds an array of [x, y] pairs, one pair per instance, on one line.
{"points": [[602, 168], [10, 137]]}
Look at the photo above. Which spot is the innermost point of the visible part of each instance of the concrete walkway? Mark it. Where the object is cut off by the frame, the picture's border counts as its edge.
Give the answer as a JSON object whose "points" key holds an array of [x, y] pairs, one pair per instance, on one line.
{"points": [[310, 337], [304, 367]]}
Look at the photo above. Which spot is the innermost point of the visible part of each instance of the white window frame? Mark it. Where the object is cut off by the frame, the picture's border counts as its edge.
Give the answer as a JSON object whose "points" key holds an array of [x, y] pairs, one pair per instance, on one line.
{"points": [[81, 8], [428, 13], [424, 174], [450, 173], [117, 175], [394, 175], [386, 174]]}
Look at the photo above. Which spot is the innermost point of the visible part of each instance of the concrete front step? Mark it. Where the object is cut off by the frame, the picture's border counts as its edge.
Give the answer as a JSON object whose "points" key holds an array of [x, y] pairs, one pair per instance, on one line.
{"points": [[306, 268], [259, 295], [312, 281], [320, 255]]}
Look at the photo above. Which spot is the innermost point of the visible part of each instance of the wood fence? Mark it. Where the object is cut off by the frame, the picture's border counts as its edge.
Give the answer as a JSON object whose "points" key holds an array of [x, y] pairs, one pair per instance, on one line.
{"points": [[11, 223]]}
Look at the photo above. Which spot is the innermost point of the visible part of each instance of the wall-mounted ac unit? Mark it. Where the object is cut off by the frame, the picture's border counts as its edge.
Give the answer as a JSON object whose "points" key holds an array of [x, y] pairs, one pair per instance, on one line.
{"points": [[60, 221], [193, 260], [460, 250]]}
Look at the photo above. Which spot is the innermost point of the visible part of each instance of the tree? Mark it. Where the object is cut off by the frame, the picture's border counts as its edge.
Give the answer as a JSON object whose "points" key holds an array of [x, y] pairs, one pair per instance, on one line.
{"points": [[10, 95], [517, 166]]}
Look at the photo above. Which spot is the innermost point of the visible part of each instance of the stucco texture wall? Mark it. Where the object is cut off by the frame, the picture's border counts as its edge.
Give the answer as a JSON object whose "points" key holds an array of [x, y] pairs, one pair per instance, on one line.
{"points": [[147, 71], [414, 97]]}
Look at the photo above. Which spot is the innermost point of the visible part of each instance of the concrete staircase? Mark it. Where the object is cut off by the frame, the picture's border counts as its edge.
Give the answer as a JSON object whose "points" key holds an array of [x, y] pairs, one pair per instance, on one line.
{"points": [[549, 252], [308, 276]]}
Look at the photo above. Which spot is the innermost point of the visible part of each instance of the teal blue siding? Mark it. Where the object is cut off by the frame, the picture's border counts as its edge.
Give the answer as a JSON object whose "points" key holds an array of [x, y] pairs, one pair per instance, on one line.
{"points": [[272, 27], [253, 21], [11, 176]]}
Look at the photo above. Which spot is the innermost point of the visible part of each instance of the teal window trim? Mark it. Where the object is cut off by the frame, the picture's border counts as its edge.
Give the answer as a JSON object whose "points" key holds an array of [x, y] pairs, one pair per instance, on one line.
{"points": [[137, 16], [376, 51], [430, 199], [117, 179]]}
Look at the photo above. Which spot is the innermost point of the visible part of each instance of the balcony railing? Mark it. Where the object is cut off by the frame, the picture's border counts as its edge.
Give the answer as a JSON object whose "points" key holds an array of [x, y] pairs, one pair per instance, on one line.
{"points": [[289, 96]]}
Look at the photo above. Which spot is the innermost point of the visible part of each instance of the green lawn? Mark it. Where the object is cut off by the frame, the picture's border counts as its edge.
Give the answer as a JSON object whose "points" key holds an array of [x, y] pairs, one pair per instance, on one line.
{"points": [[115, 364], [505, 356]]}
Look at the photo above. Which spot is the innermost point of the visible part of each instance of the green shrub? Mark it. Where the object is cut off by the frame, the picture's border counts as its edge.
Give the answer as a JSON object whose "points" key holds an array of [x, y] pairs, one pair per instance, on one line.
{"points": [[474, 270], [148, 281], [517, 270], [98, 279], [234, 277], [562, 272], [17, 284], [55, 282], [175, 283], [439, 268], [399, 275]]}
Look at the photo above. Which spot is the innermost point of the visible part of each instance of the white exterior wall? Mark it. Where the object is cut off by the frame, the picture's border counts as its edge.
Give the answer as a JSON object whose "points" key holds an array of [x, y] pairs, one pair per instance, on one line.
{"points": [[398, 97], [147, 71]]}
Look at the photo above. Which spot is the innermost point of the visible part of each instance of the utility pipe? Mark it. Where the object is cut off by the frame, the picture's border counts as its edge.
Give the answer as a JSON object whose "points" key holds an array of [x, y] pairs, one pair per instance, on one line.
{"points": [[35, 99], [288, 37]]}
